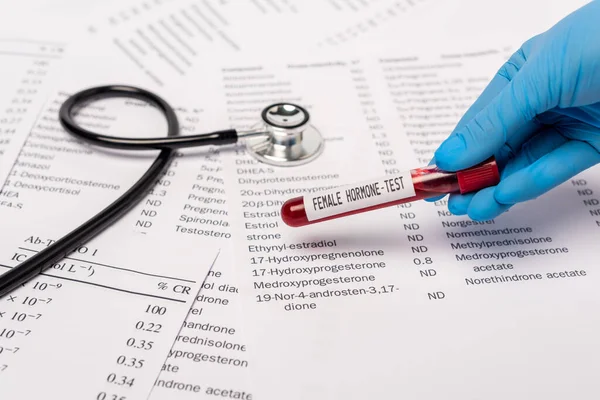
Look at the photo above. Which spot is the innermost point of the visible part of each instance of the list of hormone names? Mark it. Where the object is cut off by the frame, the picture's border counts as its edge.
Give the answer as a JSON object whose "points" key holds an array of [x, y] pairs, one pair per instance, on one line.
{"points": [[395, 275]]}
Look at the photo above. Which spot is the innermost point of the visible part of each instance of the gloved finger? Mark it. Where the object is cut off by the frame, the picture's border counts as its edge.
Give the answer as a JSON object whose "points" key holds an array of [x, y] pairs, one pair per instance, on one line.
{"points": [[547, 172], [500, 80], [479, 206], [486, 206], [458, 204], [545, 141], [520, 136], [505, 160], [513, 145], [483, 205], [495, 86], [510, 114], [497, 83]]}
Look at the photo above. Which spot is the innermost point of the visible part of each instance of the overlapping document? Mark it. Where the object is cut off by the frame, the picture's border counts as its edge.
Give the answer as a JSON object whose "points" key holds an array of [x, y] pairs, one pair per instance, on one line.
{"points": [[201, 291]]}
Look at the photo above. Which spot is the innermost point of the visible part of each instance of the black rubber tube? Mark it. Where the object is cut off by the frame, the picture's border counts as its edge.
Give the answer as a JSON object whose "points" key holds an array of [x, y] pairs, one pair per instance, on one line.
{"points": [[44, 259]]}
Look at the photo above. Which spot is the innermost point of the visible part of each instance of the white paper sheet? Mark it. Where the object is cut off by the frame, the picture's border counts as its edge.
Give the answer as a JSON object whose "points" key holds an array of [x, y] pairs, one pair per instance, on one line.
{"points": [[145, 11], [241, 111], [407, 301], [437, 25], [209, 357], [100, 323], [34, 38], [168, 42], [166, 39], [29, 66]]}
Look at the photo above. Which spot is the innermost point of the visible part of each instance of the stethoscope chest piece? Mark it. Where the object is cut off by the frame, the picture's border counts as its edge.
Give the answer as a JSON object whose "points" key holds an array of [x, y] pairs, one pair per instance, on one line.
{"points": [[288, 138]]}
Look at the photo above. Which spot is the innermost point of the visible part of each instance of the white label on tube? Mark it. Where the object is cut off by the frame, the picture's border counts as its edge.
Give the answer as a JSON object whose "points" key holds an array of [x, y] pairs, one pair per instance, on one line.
{"points": [[357, 196]]}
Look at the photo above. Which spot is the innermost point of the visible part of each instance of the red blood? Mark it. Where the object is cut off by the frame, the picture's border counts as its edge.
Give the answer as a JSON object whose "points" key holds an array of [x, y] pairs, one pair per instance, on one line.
{"points": [[428, 182]]}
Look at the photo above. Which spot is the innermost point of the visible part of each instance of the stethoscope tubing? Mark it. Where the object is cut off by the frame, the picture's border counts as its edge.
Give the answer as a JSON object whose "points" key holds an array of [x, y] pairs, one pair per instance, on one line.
{"points": [[66, 116], [45, 258], [166, 146]]}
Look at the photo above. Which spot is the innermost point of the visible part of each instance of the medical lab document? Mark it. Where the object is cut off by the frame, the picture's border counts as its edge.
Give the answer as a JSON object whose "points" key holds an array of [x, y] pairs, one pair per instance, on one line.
{"points": [[444, 23], [167, 41], [209, 358], [101, 322], [34, 38], [407, 301], [97, 324], [29, 65]]}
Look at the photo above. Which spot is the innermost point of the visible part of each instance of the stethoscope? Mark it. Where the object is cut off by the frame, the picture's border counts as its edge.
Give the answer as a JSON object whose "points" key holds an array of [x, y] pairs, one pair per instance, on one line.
{"points": [[283, 137]]}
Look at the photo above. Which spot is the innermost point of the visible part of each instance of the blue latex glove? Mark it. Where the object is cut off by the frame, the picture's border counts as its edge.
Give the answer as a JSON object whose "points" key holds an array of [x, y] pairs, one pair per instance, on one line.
{"points": [[540, 117]]}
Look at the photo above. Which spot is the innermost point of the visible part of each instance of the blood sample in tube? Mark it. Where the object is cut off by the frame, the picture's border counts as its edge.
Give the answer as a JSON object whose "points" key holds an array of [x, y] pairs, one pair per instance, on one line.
{"points": [[406, 187]]}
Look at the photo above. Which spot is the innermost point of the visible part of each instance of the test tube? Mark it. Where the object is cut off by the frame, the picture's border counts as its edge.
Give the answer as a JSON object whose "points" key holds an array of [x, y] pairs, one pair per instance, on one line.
{"points": [[406, 187]]}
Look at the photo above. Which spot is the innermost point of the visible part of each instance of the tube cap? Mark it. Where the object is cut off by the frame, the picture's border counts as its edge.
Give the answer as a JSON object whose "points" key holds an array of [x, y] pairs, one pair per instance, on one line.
{"points": [[478, 177]]}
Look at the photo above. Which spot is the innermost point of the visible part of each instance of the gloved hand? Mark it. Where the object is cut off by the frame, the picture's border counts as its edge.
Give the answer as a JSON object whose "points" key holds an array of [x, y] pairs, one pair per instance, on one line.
{"points": [[540, 117]]}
